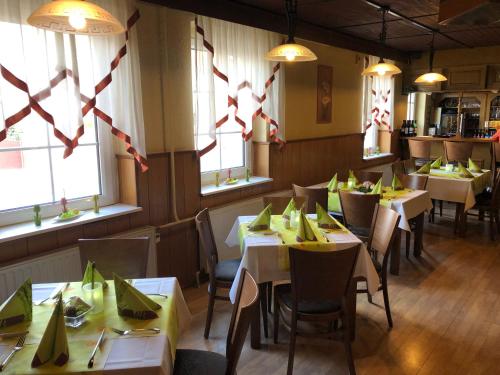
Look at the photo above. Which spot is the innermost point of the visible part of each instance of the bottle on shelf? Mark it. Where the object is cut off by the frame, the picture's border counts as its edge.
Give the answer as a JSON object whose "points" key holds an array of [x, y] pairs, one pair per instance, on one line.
{"points": [[414, 128]]}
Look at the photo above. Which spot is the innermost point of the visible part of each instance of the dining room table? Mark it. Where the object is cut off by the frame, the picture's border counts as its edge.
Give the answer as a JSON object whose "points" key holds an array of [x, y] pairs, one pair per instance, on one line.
{"points": [[140, 352], [410, 204], [265, 256], [447, 185]]}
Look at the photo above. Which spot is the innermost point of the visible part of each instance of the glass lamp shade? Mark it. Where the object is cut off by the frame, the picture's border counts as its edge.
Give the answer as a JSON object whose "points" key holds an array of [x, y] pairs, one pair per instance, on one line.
{"points": [[431, 78], [291, 52], [380, 69], [75, 17]]}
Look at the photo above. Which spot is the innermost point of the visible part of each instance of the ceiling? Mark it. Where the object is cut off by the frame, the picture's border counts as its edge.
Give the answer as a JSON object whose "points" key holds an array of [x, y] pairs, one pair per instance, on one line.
{"points": [[352, 24]]}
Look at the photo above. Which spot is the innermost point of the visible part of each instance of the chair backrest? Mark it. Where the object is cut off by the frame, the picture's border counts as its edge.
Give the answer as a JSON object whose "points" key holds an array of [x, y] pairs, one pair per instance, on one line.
{"points": [[419, 149], [358, 209], [413, 181], [313, 195], [458, 151], [410, 166], [364, 175], [384, 225], [321, 275], [247, 298], [279, 203], [398, 167], [127, 257], [207, 241]]}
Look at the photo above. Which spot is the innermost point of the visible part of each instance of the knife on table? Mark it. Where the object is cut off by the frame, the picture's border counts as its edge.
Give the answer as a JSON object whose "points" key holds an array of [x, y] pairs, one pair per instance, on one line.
{"points": [[99, 342]]}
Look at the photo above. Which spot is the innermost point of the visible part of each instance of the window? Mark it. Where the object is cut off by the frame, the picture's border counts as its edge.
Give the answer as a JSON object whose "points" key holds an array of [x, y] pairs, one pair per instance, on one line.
{"points": [[410, 110]]}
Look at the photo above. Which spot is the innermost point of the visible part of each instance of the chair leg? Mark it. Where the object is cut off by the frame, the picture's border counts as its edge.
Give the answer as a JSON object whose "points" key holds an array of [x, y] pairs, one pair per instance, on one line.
{"points": [[269, 296], [276, 317], [347, 344], [210, 311], [291, 349], [440, 208], [386, 302], [408, 244], [263, 306], [370, 299]]}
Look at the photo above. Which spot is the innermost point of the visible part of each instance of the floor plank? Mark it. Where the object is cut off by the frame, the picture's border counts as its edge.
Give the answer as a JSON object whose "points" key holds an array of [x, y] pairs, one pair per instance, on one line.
{"points": [[446, 312]]}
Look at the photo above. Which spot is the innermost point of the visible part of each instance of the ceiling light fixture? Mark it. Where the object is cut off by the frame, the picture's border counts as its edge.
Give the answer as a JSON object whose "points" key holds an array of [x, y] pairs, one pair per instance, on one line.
{"points": [[75, 17], [291, 51], [430, 76], [382, 68]]}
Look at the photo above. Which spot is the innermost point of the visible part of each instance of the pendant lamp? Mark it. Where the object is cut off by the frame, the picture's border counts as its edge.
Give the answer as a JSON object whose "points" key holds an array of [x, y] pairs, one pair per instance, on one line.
{"points": [[291, 51], [382, 68], [75, 17], [430, 76]]}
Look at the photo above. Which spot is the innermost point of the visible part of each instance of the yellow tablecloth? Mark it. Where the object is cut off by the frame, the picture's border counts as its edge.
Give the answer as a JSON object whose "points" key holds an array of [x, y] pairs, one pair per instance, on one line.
{"points": [[83, 339], [387, 196]]}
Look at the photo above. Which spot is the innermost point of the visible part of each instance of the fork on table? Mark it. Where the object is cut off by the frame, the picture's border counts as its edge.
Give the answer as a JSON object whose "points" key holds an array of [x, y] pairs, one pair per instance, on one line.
{"points": [[15, 349], [136, 330]]}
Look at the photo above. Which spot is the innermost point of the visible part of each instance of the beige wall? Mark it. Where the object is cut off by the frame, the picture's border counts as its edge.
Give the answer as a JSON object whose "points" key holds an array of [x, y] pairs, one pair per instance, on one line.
{"points": [[460, 57]]}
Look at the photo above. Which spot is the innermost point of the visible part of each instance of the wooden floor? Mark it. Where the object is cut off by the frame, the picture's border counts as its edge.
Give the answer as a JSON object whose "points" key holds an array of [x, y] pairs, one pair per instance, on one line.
{"points": [[445, 306]]}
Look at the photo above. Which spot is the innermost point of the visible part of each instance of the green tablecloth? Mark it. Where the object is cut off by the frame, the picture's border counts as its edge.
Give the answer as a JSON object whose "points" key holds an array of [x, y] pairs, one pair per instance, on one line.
{"points": [[387, 196], [82, 340]]}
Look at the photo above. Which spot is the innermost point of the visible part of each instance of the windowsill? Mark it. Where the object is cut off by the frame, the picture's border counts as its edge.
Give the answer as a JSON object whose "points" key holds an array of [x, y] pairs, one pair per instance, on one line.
{"points": [[22, 230], [379, 156], [242, 183]]}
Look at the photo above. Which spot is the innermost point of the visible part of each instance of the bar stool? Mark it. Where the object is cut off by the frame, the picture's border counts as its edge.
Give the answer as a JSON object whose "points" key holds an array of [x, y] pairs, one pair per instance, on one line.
{"points": [[420, 151]]}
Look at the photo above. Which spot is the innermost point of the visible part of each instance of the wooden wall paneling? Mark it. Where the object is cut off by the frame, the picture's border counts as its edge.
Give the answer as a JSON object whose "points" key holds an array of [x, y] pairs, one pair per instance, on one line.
{"points": [[69, 236], [158, 190], [260, 166], [96, 229], [118, 224], [192, 183], [42, 243], [127, 179], [141, 218], [13, 250]]}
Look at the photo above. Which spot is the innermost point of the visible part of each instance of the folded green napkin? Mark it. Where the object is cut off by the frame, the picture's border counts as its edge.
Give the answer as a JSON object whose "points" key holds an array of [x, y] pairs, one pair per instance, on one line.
{"points": [[54, 343], [463, 172], [353, 176], [87, 276], [304, 229], [473, 167], [132, 303], [436, 164], [425, 169], [263, 220], [377, 188], [18, 307], [324, 219], [396, 183], [333, 184], [289, 209]]}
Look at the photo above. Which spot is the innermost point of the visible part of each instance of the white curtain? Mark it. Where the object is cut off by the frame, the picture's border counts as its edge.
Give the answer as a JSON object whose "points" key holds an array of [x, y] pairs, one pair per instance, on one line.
{"points": [[232, 75], [62, 78], [378, 104]]}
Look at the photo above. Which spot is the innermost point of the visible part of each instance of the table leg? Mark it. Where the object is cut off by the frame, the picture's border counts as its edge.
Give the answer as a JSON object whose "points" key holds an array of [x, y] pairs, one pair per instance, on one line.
{"points": [[396, 253], [255, 329], [263, 305], [419, 233], [351, 307]]}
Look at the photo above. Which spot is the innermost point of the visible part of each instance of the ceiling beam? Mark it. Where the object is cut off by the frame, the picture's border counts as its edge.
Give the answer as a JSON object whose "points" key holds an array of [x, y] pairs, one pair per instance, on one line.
{"points": [[244, 14]]}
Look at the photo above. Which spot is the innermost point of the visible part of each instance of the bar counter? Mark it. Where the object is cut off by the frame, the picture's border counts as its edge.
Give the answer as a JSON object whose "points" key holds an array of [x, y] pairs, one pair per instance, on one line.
{"points": [[452, 139]]}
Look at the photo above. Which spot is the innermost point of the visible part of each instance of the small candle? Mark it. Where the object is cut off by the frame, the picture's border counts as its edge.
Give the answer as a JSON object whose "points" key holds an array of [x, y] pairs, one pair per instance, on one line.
{"points": [[247, 176], [95, 198], [217, 178]]}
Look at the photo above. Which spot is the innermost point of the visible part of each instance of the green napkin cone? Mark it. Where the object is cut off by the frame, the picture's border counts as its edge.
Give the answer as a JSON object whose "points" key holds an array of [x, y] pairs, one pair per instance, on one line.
{"points": [[18, 307], [353, 176], [463, 172], [263, 220], [289, 209], [425, 169], [304, 229], [333, 184], [396, 183], [54, 343], [377, 188], [87, 276], [325, 220], [132, 303], [473, 167], [436, 164]]}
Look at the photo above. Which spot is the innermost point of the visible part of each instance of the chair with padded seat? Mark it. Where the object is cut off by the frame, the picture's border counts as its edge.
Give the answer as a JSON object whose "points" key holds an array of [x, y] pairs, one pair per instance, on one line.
{"points": [[127, 257], [363, 175], [383, 229], [280, 203], [199, 362], [313, 195], [319, 292], [358, 210], [221, 273]]}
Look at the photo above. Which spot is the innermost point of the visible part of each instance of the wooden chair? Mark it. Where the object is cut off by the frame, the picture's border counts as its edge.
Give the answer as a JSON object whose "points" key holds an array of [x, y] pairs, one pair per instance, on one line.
{"points": [[410, 166], [221, 273], [313, 195], [318, 292], [191, 362], [415, 182], [279, 203], [364, 175], [398, 168], [127, 257], [383, 229], [458, 151], [358, 212], [420, 151], [490, 203]]}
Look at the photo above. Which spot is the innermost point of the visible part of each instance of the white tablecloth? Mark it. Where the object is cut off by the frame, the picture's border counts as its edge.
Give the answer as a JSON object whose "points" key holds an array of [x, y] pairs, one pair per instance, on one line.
{"points": [[127, 354], [463, 190], [261, 258]]}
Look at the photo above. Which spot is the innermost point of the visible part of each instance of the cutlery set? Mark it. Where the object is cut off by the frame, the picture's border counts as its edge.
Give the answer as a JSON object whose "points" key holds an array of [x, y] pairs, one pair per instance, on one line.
{"points": [[19, 345], [55, 292]]}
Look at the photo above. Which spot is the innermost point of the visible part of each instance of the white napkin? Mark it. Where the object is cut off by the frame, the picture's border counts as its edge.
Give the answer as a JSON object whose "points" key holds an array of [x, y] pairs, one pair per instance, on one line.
{"points": [[43, 291], [135, 352]]}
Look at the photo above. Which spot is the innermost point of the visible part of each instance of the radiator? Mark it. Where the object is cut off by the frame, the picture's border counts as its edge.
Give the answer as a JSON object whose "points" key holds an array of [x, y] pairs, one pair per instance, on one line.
{"points": [[64, 265]]}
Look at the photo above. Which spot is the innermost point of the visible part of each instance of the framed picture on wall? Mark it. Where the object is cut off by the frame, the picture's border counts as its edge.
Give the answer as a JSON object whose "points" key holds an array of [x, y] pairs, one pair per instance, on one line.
{"points": [[324, 94]]}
